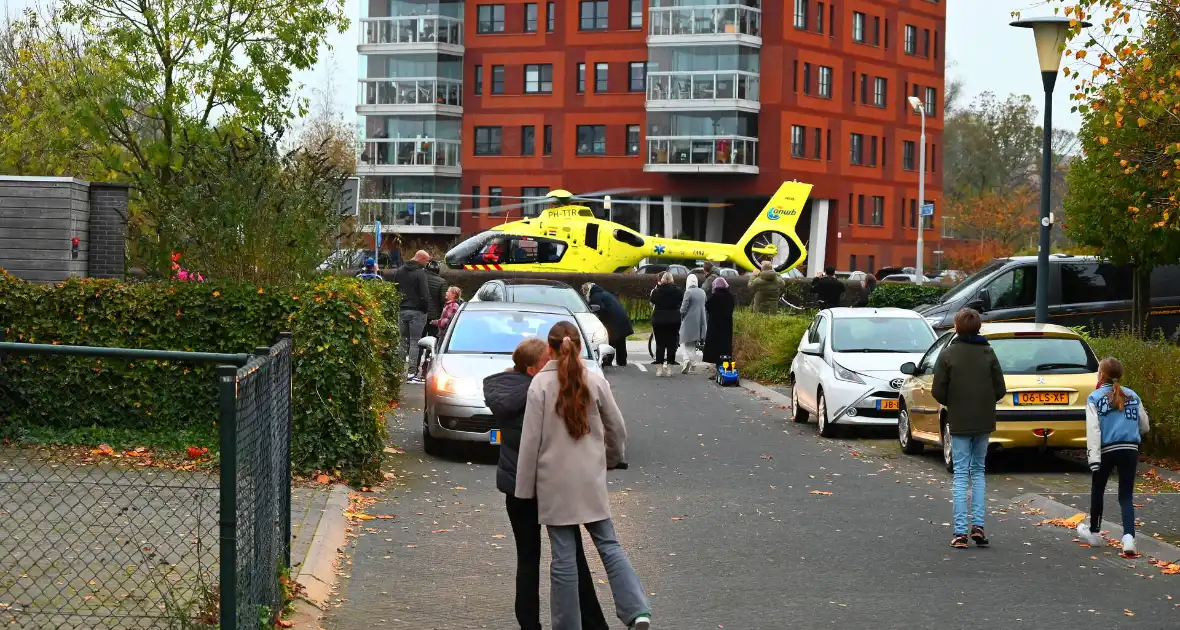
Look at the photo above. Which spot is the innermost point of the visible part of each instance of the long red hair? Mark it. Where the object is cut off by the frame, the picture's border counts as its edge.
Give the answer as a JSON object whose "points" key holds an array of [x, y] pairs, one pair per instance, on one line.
{"points": [[573, 393]]}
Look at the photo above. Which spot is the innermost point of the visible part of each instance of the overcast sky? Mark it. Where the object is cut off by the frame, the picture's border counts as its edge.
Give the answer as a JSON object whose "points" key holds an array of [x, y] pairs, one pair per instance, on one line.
{"points": [[986, 53]]}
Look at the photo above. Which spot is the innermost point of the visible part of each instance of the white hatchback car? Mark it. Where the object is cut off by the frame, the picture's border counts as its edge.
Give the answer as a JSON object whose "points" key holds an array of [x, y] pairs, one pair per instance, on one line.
{"points": [[848, 367]]}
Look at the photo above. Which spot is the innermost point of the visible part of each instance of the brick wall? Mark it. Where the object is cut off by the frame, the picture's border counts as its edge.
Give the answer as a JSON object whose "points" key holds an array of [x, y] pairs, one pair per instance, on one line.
{"points": [[108, 230]]}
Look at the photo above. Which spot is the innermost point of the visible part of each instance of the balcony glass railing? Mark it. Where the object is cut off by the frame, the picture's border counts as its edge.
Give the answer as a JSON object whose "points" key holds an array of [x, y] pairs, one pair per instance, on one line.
{"points": [[706, 20], [417, 91], [410, 152], [702, 150], [702, 85], [411, 29], [420, 212]]}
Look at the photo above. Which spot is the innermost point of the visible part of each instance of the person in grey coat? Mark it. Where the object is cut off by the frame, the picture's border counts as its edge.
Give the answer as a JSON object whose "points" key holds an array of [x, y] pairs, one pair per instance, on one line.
{"points": [[692, 321]]}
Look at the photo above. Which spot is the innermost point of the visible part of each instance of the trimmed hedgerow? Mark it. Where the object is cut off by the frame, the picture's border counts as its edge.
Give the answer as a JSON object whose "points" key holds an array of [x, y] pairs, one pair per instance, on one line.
{"points": [[911, 296], [345, 360]]}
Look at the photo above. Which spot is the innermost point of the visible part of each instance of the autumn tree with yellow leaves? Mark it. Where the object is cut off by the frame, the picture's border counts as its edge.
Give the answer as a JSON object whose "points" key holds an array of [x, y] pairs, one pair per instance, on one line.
{"points": [[1123, 192]]}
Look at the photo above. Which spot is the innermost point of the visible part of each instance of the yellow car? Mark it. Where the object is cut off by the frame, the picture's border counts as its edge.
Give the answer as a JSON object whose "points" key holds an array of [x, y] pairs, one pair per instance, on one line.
{"points": [[1049, 371]]}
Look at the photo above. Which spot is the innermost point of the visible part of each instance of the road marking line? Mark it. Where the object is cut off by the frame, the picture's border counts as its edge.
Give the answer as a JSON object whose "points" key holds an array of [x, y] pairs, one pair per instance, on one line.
{"points": [[640, 366]]}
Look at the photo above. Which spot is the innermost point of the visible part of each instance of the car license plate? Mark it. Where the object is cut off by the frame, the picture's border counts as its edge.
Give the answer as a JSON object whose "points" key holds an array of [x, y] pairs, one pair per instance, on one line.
{"points": [[494, 436], [887, 405], [1040, 398]]}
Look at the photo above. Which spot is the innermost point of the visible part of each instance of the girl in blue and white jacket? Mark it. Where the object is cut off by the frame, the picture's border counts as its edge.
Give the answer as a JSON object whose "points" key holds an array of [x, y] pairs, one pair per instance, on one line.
{"points": [[1116, 422]]}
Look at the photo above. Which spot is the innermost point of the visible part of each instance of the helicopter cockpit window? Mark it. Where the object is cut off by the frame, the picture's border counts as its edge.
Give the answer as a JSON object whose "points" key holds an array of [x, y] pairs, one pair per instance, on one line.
{"points": [[628, 237], [495, 251], [468, 252], [526, 250]]}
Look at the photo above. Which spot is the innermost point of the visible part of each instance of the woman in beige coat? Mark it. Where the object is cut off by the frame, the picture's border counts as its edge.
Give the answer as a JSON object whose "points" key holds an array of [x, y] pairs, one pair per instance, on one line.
{"points": [[573, 432]]}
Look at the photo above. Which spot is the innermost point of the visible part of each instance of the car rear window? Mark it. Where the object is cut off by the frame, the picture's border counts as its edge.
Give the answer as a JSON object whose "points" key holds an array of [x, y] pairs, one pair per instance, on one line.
{"points": [[553, 296], [1044, 355], [499, 332]]}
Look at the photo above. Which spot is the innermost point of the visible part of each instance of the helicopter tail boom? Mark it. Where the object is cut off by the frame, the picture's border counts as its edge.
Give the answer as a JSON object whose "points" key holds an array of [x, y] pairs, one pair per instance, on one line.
{"points": [[774, 229]]}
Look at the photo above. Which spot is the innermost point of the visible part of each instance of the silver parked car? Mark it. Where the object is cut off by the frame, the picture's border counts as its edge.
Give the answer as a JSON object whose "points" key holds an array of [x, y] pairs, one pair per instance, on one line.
{"points": [[478, 343]]}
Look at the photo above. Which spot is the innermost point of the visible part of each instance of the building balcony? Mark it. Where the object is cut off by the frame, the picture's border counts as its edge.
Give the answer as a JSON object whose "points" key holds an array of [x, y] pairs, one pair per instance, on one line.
{"points": [[703, 90], [410, 156], [426, 95], [727, 23], [702, 154], [412, 216], [423, 33]]}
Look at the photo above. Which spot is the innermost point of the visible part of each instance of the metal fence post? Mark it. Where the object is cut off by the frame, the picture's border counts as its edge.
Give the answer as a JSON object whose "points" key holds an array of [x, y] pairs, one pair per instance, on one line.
{"points": [[287, 434], [227, 387]]}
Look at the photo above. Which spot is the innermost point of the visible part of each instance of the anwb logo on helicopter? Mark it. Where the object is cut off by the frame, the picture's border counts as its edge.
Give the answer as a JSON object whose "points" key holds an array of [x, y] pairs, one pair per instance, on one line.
{"points": [[773, 214]]}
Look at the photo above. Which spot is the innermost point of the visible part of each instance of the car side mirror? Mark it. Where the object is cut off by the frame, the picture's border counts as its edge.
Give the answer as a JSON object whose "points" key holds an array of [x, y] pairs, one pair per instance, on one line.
{"points": [[812, 349], [427, 343], [594, 308], [982, 301], [909, 368]]}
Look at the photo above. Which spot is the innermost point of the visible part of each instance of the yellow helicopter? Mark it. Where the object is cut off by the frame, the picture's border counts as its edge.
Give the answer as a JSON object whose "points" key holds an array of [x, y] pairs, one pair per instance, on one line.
{"points": [[570, 238]]}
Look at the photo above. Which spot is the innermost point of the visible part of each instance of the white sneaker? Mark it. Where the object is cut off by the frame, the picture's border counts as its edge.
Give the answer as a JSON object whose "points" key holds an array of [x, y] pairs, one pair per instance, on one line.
{"points": [[687, 366], [1129, 545], [1090, 538], [642, 622]]}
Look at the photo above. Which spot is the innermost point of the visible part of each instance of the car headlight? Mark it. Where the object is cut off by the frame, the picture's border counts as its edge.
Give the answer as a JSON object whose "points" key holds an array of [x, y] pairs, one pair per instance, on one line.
{"points": [[447, 384], [844, 374], [934, 320]]}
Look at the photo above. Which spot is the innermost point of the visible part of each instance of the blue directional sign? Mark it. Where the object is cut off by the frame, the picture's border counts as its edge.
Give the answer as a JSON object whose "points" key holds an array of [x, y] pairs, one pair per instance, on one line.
{"points": [[410, 208], [927, 209], [377, 231]]}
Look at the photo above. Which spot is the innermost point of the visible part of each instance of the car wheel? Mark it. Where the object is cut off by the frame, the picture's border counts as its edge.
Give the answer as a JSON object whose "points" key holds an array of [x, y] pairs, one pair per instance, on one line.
{"points": [[826, 429], [430, 444], [948, 456], [905, 433], [798, 413]]}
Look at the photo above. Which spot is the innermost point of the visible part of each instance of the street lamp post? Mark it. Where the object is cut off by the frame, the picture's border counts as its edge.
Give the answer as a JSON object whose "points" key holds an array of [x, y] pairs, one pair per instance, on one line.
{"points": [[920, 276], [1050, 35]]}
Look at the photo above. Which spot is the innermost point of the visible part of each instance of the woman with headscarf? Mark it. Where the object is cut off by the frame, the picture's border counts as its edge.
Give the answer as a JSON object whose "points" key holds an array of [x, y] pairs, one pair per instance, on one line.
{"points": [[665, 321], [719, 333], [692, 320]]}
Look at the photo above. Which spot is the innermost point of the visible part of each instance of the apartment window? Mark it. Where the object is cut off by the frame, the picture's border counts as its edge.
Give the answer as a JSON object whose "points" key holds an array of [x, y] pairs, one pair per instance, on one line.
{"points": [[798, 141], [907, 155], [637, 71], [828, 142], [872, 264], [925, 42], [819, 18], [879, 87], [936, 44], [550, 16], [636, 14], [474, 199], [852, 87], [819, 140], [591, 139], [581, 78], [872, 150], [852, 263], [530, 17], [884, 152], [538, 78], [932, 160], [876, 30], [528, 140], [860, 209], [547, 141], [601, 77], [478, 80], [632, 139], [858, 27], [878, 217], [825, 82], [886, 34], [857, 146], [832, 21], [490, 18], [864, 89], [487, 140], [535, 200], [497, 79], [795, 75], [801, 14], [593, 14], [928, 222], [913, 213], [930, 99], [807, 78], [494, 202], [911, 39]]}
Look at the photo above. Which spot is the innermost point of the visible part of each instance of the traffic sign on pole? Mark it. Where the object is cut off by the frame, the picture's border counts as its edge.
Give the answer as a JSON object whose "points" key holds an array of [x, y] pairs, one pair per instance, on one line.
{"points": [[928, 210]]}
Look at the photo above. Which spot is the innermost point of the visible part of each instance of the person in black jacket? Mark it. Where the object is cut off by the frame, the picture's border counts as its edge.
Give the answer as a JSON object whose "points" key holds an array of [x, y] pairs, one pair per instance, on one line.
{"points": [[665, 320], [719, 330], [415, 302], [828, 288], [506, 394], [436, 296], [614, 317]]}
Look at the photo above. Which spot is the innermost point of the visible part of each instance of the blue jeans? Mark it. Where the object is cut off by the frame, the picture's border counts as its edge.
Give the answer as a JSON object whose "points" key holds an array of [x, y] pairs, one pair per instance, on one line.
{"points": [[564, 601], [969, 453]]}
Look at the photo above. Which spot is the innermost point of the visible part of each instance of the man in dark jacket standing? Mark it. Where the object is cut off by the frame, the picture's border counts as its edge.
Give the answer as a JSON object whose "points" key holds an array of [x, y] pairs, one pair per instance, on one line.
{"points": [[415, 302], [614, 317], [506, 394], [968, 381], [828, 288], [708, 277], [436, 296]]}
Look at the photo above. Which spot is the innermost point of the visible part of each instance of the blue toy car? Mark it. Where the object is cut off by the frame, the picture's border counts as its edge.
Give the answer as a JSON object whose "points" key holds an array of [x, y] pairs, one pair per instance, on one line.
{"points": [[727, 372]]}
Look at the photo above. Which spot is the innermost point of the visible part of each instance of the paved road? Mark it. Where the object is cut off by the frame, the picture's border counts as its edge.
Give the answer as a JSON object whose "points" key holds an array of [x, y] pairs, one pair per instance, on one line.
{"points": [[719, 516]]}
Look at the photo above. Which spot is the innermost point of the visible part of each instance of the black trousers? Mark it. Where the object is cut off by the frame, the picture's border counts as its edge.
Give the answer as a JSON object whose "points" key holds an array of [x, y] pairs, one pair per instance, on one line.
{"points": [[667, 339], [620, 346], [1125, 462], [522, 513]]}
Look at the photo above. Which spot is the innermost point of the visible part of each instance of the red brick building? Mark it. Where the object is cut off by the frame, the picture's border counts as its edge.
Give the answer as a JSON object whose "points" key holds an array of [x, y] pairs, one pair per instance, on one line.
{"points": [[686, 100]]}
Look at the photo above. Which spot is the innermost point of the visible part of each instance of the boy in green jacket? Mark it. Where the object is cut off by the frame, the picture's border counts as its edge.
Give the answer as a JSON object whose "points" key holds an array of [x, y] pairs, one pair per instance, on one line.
{"points": [[968, 381]]}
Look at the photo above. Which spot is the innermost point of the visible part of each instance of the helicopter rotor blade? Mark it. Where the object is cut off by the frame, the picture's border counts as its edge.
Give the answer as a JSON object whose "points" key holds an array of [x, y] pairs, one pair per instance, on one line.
{"points": [[612, 191]]}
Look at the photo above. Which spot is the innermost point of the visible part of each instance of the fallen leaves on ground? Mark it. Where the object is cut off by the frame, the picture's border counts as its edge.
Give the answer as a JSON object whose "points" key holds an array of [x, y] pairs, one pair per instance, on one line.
{"points": [[823, 492], [499, 536], [1167, 568], [765, 457], [323, 480], [1127, 612], [195, 452], [394, 451], [1151, 482], [439, 531], [1070, 522]]}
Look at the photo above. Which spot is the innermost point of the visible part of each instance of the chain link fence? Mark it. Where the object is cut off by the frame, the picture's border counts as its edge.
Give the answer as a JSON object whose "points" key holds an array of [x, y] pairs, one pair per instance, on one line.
{"points": [[122, 535]]}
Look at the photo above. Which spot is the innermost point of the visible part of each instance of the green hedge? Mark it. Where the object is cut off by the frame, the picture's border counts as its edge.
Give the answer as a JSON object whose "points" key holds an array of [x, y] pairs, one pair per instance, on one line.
{"points": [[345, 364], [764, 345], [900, 295], [1151, 367]]}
